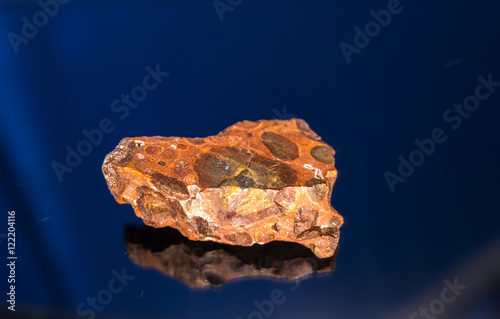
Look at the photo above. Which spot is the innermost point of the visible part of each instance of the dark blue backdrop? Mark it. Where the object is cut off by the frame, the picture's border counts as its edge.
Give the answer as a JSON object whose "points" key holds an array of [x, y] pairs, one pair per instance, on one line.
{"points": [[252, 60]]}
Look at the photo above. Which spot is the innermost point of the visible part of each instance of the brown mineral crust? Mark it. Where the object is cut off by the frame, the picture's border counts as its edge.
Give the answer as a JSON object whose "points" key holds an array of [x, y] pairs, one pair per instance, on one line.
{"points": [[255, 182], [201, 264]]}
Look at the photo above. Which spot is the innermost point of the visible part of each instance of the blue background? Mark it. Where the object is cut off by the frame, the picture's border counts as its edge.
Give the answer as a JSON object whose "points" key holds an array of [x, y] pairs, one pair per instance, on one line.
{"points": [[266, 59]]}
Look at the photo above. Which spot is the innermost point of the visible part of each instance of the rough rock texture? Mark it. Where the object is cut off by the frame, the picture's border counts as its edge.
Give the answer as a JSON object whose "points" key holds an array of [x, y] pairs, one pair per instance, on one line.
{"points": [[255, 182], [208, 264]]}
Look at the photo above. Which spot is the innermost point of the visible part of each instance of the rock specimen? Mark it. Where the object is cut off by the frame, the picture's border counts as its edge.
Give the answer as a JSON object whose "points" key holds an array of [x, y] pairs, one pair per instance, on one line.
{"points": [[201, 264], [255, 182]]}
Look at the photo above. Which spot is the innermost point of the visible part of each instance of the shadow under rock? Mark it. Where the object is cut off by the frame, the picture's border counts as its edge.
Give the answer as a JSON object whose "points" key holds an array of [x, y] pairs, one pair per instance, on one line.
{"points": [[201, 264]]}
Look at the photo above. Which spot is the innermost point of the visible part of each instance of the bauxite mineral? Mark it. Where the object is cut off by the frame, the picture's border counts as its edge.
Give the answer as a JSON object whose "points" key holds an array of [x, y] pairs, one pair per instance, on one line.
{"points": [[255, 182]]}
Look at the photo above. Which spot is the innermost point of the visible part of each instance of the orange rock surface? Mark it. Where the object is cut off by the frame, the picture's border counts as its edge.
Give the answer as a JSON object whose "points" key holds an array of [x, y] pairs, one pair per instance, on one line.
{"points": [[255, 182]]}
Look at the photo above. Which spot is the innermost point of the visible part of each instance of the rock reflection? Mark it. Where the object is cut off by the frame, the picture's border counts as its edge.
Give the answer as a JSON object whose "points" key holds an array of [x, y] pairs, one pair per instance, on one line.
{"points": [[208, 264]]}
